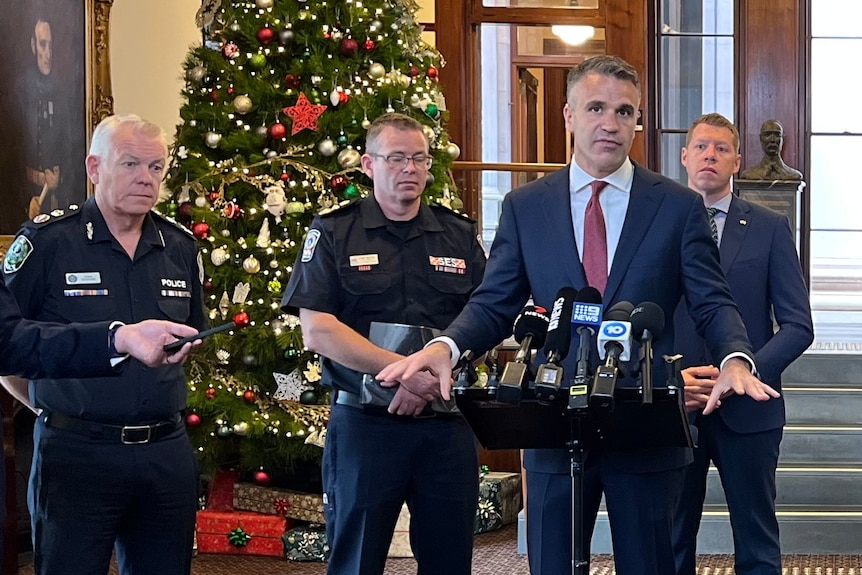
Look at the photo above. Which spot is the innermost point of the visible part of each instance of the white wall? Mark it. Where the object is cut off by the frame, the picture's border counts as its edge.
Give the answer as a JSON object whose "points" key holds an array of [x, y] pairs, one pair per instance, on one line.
{"points": [[149, 40]]}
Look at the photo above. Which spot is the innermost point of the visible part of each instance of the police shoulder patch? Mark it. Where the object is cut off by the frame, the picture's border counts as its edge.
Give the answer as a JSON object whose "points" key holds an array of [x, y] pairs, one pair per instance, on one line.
{"points": [[310, 244], [18, 253]]}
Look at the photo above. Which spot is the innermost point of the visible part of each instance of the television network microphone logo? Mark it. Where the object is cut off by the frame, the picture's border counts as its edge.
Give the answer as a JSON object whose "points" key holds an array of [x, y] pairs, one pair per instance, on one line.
{"points": [[587, 314], [614, 329]]}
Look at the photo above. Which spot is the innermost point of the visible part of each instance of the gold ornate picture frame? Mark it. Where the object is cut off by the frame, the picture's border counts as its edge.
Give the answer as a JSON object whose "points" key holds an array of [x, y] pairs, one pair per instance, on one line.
{"points": [[88, 29]]}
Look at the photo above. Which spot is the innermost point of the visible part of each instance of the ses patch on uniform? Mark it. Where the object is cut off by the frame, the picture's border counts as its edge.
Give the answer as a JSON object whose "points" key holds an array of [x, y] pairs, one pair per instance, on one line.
{"points": [[310, 243], [18, 253]]}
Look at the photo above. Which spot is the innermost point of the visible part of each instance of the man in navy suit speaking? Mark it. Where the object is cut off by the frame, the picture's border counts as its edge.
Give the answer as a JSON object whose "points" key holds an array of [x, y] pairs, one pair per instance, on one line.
{"points": [[636, 236], [758, 256]]}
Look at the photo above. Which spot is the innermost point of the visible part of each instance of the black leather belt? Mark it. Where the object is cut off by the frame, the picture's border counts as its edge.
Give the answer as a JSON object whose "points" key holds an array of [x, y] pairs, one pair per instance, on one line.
{"points": [[352, 400], [347, 398], [125, 434]]}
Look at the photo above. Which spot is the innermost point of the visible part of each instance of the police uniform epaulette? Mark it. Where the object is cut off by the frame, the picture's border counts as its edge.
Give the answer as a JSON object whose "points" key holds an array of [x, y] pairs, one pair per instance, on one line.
{"points": [[337, 208], [173, 222], [54, 216], [449, 210]]}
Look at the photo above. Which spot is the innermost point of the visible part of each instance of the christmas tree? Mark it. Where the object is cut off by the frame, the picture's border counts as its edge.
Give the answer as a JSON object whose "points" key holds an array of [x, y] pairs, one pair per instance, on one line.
{"points": [[277, 101]]}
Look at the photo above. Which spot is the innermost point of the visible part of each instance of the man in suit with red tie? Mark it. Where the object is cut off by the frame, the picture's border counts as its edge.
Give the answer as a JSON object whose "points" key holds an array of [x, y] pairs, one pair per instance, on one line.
{"points": [[758, 256], [657, 247]]}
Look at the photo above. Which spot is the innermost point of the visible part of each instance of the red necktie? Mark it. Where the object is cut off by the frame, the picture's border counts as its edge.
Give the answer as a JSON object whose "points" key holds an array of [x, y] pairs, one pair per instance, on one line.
{"points": [[595, 258]]}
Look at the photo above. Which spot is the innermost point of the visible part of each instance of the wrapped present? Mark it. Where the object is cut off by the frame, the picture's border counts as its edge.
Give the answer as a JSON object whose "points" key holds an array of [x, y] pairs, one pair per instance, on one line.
{"points": [[306, 543], [400, 546], [499, 501], [236, 533], [220, 497], [283, 502]]}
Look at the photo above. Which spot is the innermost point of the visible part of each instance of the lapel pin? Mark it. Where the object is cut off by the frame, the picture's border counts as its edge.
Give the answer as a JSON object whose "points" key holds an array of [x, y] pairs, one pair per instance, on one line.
{"points": [[743, 222]]}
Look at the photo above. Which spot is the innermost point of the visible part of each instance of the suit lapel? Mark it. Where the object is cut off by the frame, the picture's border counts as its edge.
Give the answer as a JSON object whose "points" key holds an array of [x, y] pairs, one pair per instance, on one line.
{"points": [[644, 202], [736, 225], [557, 209]]}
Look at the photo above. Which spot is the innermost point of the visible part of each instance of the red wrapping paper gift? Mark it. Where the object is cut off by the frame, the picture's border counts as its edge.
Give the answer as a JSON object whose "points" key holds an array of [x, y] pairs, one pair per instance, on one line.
{"points": [[214, 528], [220, 496]]}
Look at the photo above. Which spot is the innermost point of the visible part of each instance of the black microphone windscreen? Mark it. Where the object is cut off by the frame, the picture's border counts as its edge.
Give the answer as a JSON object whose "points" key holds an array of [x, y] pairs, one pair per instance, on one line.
{"points": [[560, 329], [647, 316], [620, 311], [533, 320], [589, 295]]}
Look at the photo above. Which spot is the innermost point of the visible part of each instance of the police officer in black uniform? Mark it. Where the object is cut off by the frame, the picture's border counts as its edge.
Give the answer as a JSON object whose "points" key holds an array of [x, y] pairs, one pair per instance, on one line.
{"points": [[390, 258], [112, 461]]}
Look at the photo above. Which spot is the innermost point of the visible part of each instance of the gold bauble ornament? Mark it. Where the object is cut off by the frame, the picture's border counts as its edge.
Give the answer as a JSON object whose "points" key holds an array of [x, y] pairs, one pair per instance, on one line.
{"points": [[241, 428], [348, 158], [212, 139], [376, 70], [219, 256], [251, 265], [453, 150], [242, 104], [263, 3]]}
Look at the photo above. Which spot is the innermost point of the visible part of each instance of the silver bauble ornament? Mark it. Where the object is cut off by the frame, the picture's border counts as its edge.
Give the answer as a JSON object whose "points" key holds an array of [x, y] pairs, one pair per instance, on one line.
{"points": [[242, 427], [225, 233], [201, 201], [242, 104], [197, 74], [348, 158], [265, 4], [223, 431], [274, 264], [375, 26], [327, 147], [212, 139], [261, 132], [376, 70], [219, 256], [251, 265], [271, 154], [366, 123], [453, 150], [286, 36], [234, 26]]}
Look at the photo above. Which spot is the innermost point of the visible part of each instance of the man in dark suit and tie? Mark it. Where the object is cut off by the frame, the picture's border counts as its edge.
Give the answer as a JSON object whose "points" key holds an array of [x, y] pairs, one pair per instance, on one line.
{"points": [[652, 238], [758, 256]]}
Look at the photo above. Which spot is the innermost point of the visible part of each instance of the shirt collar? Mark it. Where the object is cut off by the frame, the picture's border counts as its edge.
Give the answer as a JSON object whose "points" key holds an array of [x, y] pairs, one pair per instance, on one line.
{"points": [[96, 229], [620, 179], [723, 204], [373, 217]]}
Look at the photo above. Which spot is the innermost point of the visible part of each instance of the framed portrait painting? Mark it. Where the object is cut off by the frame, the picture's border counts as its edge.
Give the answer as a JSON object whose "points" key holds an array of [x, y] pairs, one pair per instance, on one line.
{"points": [[54, 87]]}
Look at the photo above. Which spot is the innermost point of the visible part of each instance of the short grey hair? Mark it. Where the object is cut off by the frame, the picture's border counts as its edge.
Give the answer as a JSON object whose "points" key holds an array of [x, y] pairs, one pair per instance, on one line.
{"points": [[102, 142], [605, 65]]}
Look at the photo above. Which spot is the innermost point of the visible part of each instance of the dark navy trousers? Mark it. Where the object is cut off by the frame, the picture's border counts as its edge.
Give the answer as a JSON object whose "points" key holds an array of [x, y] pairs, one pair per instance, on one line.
{"points": [[87, 496], [372, 464]]}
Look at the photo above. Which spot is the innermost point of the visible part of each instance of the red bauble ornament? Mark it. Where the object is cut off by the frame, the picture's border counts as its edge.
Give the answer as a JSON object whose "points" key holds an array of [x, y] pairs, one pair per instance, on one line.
{"points": [[291, 81], [277, 131], [338, 182], [241, 319], [414, 71], [232, 210], [193, 420], [349, 47], [284, 177], [214, 97], [185, 210], [265, 35], [208, 285], [201, 230], [211, 393], [369, 45], [249, 396], [212, 196], [343, 98], [432, 72], [230, 90], [261, 478]]}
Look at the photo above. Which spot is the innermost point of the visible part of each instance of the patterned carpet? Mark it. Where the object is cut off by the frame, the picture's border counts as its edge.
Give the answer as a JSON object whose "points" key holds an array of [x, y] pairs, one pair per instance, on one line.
{"points": [[496, 554]]}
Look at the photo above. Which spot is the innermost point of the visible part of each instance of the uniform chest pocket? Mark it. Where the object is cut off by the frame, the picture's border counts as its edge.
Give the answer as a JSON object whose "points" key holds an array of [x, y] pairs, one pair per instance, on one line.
{"points": [[450, 283], [366, 283], [175, 308], [87, 308]]}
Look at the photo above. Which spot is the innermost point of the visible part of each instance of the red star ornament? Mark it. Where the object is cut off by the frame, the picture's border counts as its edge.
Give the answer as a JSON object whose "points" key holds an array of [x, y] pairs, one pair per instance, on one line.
{"points": [[304, 114]]}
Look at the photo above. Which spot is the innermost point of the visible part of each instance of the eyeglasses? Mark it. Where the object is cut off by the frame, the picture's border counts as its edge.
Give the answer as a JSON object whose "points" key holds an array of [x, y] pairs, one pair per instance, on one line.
{"points": [[421, 161]]}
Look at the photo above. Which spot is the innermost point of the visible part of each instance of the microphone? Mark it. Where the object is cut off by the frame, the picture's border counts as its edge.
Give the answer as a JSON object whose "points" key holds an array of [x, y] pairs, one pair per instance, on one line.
{"points": [[587, 317], [467, 375], [557, 341], [647, 324], [615, 345], [530, 328]]}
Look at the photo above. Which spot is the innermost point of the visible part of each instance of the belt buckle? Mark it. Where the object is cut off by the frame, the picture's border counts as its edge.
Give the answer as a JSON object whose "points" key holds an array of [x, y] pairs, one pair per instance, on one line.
{"points": [[134, 428]]}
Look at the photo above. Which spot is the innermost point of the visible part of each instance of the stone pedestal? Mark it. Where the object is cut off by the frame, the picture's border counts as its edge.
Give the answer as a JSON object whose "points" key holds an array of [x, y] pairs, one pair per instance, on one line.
{"points": [[783, 196]]}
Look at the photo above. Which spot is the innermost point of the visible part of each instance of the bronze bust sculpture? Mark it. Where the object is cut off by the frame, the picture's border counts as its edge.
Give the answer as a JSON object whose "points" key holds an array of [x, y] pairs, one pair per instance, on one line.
{"points": [[771, 167]]}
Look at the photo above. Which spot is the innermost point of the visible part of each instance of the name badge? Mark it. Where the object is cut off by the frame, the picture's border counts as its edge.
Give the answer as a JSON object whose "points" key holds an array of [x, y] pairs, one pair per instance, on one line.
{"points": [[83, 278], [364, 260]]}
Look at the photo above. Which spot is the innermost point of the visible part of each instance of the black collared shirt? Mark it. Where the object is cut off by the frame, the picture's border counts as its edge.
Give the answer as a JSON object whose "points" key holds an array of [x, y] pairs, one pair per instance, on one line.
{"points": [[78, 272], [361, 267]]}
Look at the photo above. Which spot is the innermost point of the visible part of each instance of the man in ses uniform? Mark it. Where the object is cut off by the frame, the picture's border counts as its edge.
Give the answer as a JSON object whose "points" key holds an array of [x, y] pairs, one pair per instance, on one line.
{"points": [[390, 258], [112, 461]]}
